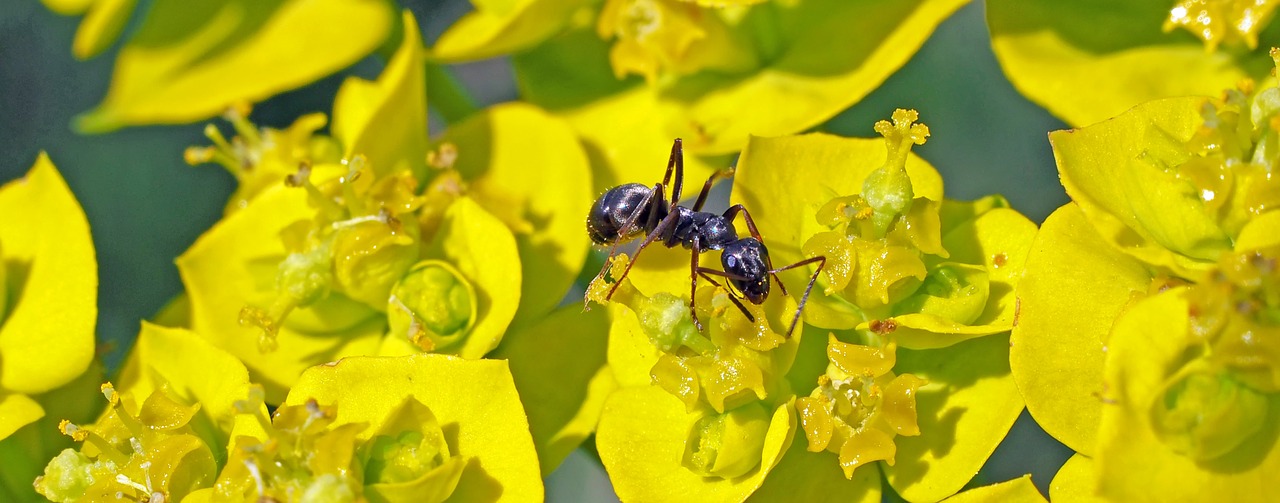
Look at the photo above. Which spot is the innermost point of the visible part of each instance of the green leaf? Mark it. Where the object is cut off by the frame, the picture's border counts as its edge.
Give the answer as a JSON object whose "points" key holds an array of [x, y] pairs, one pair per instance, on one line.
{"points": [[46, 337], [1103, 171], [641, 440], [474, 401], [528, 169], [234, 265], [191, 62], [784, 181], [386, 120], [1019, 490], [964, 411], [1074, 286], [1090, 60], [1148, 343], [559, 369]]}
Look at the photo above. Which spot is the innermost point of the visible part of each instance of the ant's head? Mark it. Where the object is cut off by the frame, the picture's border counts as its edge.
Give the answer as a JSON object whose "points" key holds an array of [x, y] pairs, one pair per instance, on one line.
{"points": [[609, 214], [746, 261]]}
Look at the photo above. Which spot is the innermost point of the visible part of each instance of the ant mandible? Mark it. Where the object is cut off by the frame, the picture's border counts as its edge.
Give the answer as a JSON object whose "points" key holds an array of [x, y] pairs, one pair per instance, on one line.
{"points": [[625, 212]]}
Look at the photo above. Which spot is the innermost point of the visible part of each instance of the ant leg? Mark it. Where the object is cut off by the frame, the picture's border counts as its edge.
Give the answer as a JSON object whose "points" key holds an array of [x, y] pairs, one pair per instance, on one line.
{"points": [[822, 261], [703, 271], [732, 212], [693, 282], [657, 231], [675, 161], [706, 188]]}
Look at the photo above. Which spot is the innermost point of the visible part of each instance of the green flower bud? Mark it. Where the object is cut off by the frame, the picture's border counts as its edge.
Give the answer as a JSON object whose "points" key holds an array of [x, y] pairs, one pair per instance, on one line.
{"points": [[433, 305], [957, 292], [727, 445], [1205, 414]]}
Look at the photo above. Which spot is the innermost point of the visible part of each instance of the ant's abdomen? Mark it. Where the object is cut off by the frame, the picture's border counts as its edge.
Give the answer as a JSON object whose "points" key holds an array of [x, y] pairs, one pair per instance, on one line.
{"points": [[612, 209]]}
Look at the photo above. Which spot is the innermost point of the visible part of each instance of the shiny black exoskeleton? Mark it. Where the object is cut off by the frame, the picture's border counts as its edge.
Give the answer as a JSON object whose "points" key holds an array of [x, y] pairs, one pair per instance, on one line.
{"points": [[628, 211]]}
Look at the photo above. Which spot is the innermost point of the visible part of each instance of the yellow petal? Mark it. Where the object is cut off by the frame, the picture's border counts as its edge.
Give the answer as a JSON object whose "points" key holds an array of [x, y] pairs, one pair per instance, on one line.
{"points": [[859, 359], [475, 402], [386, 121], [866, 446], [17, 410], [1102, 172], [814, 477], [785, 181], [805, 85], [529, 170], [68, 7], [188, 63], [1057, 354], [559, 369], [1261, 232], [971, 401], [501, 27], [1075, 481], [631, 355], [816, 422], [101, 26], [46, 339], [1089, 64], [900, 404], [641, 440], [1019, 490]]}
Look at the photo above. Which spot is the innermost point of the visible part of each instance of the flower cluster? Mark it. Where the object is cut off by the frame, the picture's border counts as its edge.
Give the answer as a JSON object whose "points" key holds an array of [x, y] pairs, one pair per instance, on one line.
{"points": [[1168, 253], [382, 314]]}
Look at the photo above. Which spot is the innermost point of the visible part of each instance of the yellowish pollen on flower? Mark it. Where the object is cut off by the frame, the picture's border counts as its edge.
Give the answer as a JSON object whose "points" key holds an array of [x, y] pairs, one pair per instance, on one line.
{"points": [[443, 157], [109, 392], [71, 430]]}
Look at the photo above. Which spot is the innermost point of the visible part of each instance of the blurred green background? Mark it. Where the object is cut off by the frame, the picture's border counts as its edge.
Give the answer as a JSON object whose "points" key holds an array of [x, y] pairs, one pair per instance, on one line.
{"points": [[146, 206]]}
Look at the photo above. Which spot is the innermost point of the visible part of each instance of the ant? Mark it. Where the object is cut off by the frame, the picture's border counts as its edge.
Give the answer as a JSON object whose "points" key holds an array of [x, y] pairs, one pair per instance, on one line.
{"points": [[625, 212]]}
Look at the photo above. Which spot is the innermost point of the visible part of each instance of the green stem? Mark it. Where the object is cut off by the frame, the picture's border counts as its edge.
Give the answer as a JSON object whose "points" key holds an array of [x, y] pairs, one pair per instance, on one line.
{"points": [[447, 96]]}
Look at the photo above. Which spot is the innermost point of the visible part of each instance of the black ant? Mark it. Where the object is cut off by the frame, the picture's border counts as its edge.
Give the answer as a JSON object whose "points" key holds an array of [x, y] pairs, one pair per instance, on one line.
{"points": [[625, 212]]}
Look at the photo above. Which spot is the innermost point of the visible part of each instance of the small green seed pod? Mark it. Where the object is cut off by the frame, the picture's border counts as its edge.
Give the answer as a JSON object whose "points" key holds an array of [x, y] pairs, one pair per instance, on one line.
{"points": [[433, 305]]}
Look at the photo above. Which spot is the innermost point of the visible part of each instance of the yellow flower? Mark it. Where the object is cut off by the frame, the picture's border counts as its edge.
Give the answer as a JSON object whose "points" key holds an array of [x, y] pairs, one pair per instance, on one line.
{"points": [[167, 428], [903, 366]]}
